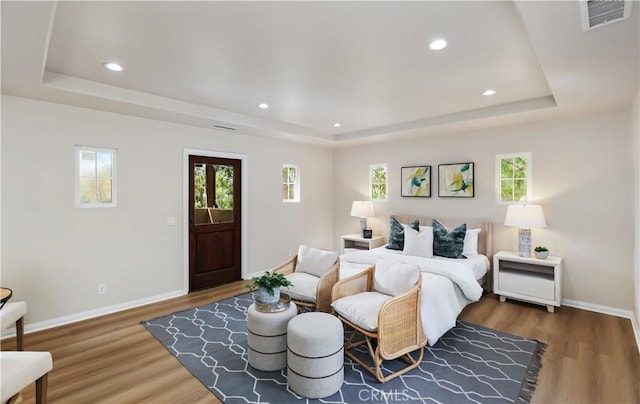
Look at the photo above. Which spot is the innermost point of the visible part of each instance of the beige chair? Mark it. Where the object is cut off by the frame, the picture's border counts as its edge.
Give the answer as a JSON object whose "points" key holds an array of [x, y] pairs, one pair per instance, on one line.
{"points": [[381, 306], [19, 370], [13, 313], [313, 273]]}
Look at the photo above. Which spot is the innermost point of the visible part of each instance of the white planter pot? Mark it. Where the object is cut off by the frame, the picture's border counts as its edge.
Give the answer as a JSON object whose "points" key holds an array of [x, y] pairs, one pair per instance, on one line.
{"points": [[541, 254], [266, 298]]}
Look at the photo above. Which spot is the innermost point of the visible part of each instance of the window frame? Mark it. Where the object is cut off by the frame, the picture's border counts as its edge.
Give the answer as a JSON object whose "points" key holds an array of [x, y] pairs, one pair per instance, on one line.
{"points": [[296, 183], [372, 167], [114, 179], [529, 179]]}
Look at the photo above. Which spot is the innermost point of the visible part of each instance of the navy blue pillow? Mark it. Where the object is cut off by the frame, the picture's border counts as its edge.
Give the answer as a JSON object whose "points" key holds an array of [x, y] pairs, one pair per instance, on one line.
{"points": [[448, 244], [396, 234]]}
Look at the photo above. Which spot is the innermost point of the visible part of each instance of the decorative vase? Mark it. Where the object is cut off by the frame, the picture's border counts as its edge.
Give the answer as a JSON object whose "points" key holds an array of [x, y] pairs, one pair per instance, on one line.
{"points": [[266, 298], [541, 254]]}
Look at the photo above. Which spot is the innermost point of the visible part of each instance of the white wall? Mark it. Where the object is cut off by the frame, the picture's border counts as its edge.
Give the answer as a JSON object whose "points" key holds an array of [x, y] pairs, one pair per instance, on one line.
{"points": [[583, 177], [54, 255]]}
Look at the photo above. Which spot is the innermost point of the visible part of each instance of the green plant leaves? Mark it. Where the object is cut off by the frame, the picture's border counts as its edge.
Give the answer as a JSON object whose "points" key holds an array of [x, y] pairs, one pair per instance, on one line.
{"points": [[269, 281]]}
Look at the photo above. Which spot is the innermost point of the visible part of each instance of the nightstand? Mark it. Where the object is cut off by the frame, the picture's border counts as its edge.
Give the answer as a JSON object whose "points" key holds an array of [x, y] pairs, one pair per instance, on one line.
{"points": [[355, 242], [528, 279]]}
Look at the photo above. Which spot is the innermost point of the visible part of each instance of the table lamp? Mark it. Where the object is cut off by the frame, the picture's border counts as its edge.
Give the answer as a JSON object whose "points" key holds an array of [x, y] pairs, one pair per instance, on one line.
{"points": [[363, 210], [524, 217]]}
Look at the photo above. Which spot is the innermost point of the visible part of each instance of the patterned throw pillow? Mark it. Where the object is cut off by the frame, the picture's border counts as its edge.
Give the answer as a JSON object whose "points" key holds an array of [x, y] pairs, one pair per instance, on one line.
{"points": [[448, 244], [396, 234]]}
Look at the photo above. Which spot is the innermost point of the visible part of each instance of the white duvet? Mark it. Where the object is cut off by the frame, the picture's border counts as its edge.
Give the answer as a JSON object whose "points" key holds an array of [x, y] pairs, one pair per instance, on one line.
{"points": [[447, 285]]}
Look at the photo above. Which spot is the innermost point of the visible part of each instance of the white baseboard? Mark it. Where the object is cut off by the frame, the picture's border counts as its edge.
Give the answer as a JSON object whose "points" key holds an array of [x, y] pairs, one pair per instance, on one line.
{"points": [[636, 330], [613, 311], [85, 315]]}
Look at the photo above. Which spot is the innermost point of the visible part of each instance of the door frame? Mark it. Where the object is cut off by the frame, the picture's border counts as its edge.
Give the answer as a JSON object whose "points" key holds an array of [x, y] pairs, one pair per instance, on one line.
{"points": [[244, 198]]}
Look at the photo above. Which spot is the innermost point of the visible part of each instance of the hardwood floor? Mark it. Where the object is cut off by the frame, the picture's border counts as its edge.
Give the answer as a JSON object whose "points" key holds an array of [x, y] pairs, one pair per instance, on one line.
{"points": [[591, 357]]}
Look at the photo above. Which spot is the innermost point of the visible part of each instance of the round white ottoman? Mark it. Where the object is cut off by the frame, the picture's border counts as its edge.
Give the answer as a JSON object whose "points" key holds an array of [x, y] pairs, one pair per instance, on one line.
{"points": [[315, 355], [267, 337]]}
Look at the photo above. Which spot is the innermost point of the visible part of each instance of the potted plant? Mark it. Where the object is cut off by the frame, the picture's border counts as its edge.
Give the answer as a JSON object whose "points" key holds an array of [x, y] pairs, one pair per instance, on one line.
{"points": [[268, 286], [541, 252]]}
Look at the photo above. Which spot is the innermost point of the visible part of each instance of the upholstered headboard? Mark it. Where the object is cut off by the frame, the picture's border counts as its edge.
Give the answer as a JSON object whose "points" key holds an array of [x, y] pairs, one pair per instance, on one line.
{"points": [[484, 238]]}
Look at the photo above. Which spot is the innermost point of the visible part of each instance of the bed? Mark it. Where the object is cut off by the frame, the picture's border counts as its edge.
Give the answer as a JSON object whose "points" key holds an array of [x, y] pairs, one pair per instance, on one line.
{"points": [[448, 284]]}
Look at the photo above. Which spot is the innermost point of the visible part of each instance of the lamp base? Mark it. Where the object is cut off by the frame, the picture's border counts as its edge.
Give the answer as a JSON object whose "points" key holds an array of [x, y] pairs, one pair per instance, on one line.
{"points": [[363, 225], [524, 242]]}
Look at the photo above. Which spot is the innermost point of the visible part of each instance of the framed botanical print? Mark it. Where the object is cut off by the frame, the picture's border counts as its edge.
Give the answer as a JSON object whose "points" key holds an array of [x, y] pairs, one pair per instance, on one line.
{"points": [[455, 180], [416, 181]]}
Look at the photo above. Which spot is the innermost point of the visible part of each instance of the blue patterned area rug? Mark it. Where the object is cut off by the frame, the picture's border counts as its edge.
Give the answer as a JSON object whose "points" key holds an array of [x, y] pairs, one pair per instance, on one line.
{"points": [[469, 364]]}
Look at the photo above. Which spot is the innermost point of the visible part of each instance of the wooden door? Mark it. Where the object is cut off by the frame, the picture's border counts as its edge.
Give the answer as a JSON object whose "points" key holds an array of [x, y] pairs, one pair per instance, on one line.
{"points": [[214, 221]]}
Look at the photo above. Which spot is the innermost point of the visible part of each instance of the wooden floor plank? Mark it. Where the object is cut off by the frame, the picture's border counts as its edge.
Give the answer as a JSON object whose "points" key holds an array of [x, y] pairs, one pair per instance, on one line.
{"points": [[591, 357]]}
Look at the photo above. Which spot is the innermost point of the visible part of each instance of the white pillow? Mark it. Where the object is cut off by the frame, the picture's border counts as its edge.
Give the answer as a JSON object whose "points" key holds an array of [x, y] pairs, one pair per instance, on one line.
{"points": [[471, 242], [394, 278], [315, 261], [418, 244]]}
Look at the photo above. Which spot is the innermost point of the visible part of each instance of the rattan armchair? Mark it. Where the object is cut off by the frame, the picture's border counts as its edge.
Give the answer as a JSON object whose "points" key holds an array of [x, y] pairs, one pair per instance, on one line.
{"points": [[309, 291], [399, 331]]}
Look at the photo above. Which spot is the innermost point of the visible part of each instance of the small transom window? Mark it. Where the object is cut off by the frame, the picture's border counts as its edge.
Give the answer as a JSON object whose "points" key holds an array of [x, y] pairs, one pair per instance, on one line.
{"points": [[513, 178], [378, 178], [290, 183], [95, 177]]}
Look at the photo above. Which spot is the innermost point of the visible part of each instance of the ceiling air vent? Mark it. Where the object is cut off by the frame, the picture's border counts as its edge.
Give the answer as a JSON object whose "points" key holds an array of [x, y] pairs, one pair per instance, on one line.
{"points": [[596, 13], [223, 127]]}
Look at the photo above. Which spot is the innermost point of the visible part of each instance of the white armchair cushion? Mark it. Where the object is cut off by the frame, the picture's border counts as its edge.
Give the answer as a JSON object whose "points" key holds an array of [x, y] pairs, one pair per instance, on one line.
{"points": [[11, 312], [418, 244], [19, 369], [305, 287], [361, 309], [394, 278], [315, 261]]}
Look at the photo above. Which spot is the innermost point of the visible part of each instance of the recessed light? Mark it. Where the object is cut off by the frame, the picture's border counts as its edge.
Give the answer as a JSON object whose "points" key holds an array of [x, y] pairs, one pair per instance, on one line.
{"points": [[263, 105], [113, 66], [489, 92], [336, 125], [438, 44]]}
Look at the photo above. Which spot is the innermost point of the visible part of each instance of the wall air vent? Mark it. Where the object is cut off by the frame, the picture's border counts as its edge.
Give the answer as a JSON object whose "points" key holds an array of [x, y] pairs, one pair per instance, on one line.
{"points": [[215, 126], [597, 13]]}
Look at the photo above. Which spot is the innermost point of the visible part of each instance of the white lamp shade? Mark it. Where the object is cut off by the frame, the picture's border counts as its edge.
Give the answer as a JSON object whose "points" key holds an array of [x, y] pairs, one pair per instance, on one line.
{"points": [[362, 209], [525, 216]]}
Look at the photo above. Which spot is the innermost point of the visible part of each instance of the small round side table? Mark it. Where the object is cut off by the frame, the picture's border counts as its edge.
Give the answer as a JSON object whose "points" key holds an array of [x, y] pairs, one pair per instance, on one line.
{"points": [[5, 294]]}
